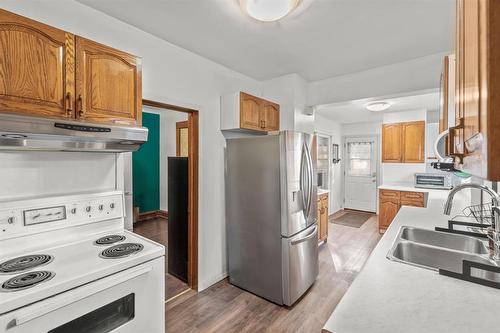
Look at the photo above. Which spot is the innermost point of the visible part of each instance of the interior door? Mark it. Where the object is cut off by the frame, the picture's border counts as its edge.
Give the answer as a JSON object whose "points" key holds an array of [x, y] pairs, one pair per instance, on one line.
{"points": [[36, 68], [108, 84], [361, 174]]}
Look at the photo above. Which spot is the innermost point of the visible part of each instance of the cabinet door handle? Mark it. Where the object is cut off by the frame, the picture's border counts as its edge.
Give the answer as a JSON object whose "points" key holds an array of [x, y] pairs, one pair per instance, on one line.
{"points": [[69, 108], [80, 106]]}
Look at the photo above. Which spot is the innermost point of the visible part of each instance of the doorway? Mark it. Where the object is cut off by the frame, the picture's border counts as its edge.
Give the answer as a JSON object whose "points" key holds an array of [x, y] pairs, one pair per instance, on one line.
{"points": [[360, 173], [177, 148]]}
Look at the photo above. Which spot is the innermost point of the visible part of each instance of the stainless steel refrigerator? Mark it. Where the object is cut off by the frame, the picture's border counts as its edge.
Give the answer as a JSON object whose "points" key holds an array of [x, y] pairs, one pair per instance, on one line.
{"points": [[271, 213]]}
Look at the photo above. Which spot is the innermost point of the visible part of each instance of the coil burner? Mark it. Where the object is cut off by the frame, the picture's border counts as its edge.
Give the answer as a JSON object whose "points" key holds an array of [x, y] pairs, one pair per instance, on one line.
{"points": [[26, 280], [24, 263], [121, 250]]}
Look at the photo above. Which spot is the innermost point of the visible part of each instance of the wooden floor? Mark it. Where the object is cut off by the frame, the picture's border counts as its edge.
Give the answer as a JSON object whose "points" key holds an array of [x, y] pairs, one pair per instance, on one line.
{"points": [[156, 230], [226, 308]]}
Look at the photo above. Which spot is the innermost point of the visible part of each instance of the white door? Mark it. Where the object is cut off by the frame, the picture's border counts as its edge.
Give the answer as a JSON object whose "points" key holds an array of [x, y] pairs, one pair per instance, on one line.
{"points": [[361, 174]]}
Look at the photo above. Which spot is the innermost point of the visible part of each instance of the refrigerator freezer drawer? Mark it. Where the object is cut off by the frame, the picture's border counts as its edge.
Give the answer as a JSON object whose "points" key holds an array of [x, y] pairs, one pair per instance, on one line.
{"points": [[300, 263]]}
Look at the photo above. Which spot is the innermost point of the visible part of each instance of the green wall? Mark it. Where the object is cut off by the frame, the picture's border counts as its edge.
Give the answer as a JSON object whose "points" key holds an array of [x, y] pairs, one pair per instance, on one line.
{"points": [[146, 167]]}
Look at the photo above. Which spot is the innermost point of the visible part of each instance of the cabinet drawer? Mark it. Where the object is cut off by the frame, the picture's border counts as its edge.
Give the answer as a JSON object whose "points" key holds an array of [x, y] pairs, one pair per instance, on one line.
{"points": [[389, 194], [414, 202], [412, 195]]}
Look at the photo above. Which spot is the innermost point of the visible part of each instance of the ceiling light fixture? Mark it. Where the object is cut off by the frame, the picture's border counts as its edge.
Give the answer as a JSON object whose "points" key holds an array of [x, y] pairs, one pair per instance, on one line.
{"points": [[378, 106], [268, 10]]}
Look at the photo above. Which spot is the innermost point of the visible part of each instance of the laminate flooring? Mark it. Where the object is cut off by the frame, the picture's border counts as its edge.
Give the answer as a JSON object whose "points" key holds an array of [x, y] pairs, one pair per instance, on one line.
{"points": [[226, 308]]}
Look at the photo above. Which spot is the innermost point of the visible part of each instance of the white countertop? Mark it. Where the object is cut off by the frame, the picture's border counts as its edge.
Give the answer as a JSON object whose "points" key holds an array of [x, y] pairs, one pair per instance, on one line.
{"points": [[389, 296], [321, 191], [405, 187]]}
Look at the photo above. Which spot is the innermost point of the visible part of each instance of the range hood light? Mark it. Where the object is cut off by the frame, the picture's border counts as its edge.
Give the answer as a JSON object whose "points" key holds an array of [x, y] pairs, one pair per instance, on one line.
{"points": [[14, 136]]}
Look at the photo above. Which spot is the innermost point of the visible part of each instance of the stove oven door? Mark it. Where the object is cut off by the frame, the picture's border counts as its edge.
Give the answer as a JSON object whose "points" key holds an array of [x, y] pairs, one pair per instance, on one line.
{"points": [[130, 301]]}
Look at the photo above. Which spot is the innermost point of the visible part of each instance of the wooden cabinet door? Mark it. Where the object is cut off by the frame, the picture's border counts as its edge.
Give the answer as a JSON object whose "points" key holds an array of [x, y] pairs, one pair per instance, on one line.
{"points": [[389, 208], [325, 216], [36, 68], [271, 116], [392, 143], [471, 85], [415, 199], [108, 84], [250, 112], [414, 142]]}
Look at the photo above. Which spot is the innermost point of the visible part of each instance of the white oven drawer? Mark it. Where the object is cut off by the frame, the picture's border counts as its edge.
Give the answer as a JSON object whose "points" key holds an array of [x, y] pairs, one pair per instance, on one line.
{"points": [[126, 302]]}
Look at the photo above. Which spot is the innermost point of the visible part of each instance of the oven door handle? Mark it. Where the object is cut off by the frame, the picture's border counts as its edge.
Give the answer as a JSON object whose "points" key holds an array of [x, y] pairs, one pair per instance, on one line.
{"points": [[44, 307]]}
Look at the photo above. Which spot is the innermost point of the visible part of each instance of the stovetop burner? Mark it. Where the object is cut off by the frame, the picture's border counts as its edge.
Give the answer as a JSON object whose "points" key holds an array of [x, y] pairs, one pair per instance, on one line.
{"points": [[24, 263], [121, 250], [111, 239], [26, 280]]}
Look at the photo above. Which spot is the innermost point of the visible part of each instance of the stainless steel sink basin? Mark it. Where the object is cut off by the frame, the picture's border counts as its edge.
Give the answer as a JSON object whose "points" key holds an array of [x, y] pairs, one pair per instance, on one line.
{"points": [[443, 239], [439, 250], [433, 257]]}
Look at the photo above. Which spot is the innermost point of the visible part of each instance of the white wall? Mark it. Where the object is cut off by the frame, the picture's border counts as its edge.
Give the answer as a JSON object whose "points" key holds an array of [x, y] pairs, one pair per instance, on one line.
{"points": [[172, 75], [329, 127], [168, 120], [29, 174]]}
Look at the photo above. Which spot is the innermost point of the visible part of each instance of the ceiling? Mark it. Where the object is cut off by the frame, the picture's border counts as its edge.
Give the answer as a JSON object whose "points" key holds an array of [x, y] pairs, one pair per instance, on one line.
{"points": [[355, 111], [321, 39]]}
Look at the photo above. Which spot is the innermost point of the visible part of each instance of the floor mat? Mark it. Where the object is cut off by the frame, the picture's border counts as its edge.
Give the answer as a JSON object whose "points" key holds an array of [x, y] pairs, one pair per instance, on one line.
{"points": [[353, 219]]}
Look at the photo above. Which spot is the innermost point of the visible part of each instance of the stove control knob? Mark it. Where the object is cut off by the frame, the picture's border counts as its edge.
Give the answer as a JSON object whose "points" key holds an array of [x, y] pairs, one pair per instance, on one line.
{"points": [[73, 210], [101, 207], [87, 209], [10, 220], [112, 205]]}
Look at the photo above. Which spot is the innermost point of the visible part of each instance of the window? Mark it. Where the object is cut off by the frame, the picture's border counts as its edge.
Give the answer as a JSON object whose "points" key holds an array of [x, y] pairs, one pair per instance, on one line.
{"points": [[359, 158]]}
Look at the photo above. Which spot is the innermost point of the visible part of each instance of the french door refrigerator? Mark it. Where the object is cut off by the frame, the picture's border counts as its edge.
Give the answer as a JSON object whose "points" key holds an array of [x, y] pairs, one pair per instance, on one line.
{"points": [[271, 213]]}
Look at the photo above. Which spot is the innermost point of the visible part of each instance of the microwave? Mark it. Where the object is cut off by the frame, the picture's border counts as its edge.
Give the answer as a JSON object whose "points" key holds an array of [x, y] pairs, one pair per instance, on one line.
{"points": [[443, 181]]}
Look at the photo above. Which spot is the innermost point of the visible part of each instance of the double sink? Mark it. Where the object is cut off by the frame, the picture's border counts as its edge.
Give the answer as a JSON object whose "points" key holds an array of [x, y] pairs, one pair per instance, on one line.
{"points": [[441, 250]]}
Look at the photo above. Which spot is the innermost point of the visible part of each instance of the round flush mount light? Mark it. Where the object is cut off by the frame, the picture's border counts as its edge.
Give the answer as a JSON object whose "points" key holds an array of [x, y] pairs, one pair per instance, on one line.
{"points": [[378, 106], [268, 10]]}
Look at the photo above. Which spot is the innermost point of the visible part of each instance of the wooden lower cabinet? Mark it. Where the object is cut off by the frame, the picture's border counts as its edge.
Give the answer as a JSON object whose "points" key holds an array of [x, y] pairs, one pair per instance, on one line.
{"points": [[323, 217], [390, 201]]}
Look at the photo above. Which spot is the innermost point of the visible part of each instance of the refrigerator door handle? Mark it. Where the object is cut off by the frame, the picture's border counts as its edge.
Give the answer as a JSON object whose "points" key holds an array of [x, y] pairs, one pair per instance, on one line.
{"points": [[303, 176], [312, 234], [310, 183]]}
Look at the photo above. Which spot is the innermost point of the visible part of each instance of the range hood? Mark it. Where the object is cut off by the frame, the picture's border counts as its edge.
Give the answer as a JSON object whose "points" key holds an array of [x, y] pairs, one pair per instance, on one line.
{"points": [[35, 133]]}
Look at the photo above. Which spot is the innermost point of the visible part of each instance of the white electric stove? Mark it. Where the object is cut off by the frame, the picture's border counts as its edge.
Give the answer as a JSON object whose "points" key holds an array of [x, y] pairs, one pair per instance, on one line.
{"points": [[68, 265]]}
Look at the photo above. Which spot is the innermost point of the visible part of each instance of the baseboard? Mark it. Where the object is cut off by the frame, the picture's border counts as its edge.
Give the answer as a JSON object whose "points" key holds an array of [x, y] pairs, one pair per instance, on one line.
{"points": [[206, 284], [152, 215]]}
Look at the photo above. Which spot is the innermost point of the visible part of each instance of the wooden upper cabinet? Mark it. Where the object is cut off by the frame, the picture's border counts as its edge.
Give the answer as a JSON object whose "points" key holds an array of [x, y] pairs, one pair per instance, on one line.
{"points": [[403, 142], [250, 112], [271, 116], [36, 68], [108, 84], [474, 139], [392, 143], [242, 111], [414, 142], [48, 72]]}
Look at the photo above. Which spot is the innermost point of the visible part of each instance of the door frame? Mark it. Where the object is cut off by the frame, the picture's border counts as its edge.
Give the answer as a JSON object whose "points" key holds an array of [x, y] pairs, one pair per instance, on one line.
{"points": [[193, 195], [178, 126], [377, 140]]}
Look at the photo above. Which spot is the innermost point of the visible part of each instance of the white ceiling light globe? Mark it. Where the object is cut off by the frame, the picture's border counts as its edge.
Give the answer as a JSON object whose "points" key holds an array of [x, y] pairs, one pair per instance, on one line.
{"points": [[378, 106], [268, 10]]}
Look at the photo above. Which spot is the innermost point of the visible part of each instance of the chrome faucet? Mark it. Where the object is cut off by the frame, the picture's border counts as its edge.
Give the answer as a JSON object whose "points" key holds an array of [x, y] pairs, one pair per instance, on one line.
{"points": [[494, 230], [449, 202]]}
